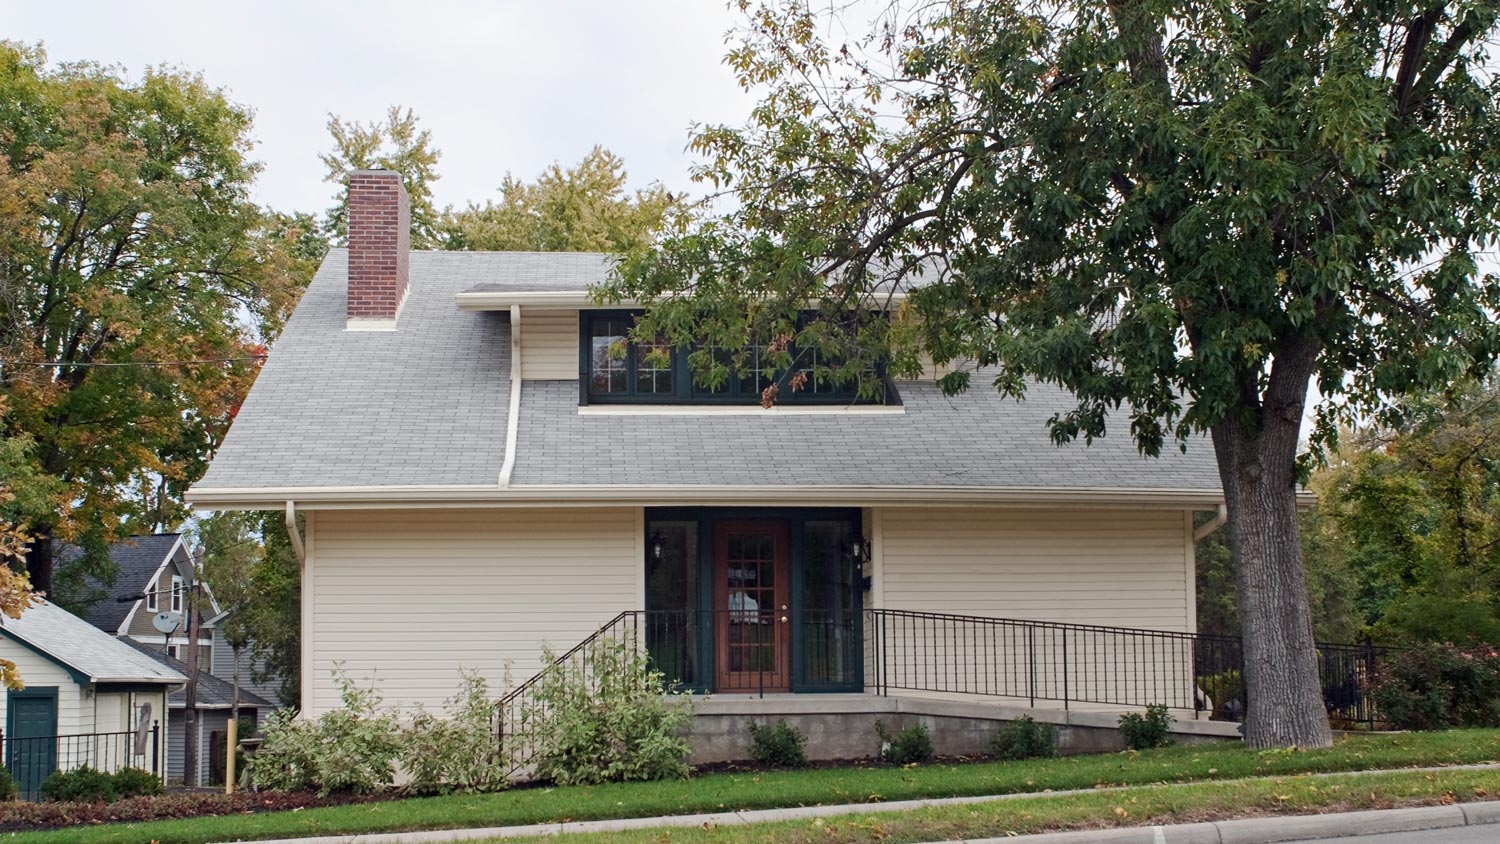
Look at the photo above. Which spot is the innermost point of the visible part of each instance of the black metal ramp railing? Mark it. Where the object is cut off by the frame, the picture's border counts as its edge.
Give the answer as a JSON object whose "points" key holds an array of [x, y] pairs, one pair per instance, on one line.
{"points": [[886, 650]]}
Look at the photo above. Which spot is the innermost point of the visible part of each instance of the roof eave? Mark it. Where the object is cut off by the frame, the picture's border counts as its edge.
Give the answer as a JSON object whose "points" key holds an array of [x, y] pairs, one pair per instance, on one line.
{"points": [[502, 300], [487, 495]]}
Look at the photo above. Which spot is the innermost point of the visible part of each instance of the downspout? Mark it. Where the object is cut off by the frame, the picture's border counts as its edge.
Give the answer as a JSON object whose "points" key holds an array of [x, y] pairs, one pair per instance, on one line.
{"points": [[513, 418], [291, 531], [1207, 529]]}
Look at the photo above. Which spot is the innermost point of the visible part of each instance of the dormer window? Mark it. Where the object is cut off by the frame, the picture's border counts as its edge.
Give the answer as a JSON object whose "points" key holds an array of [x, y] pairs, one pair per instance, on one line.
{"points": [[616, 369]]}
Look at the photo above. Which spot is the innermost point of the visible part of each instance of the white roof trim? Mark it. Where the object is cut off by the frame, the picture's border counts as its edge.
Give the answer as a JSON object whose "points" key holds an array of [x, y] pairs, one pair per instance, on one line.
{"points": [[355, 497], [501, 300]]}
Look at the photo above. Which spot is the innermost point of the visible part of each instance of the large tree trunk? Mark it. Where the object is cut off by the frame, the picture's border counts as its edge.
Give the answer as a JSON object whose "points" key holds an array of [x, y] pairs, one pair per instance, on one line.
{"points": [[1257, 454], [39, 562]]}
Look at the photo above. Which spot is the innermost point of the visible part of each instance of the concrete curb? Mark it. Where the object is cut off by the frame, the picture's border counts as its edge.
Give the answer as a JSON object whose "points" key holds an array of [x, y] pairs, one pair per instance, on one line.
{"points": [[1221, 832], [1274, 830]]}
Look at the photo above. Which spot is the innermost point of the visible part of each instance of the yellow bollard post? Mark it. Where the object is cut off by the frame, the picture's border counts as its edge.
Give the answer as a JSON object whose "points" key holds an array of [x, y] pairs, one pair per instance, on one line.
{"points": [[231, 738]]}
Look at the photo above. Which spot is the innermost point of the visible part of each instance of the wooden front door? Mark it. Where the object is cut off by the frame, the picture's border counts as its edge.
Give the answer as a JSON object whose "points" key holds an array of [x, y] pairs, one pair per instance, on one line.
{"points": [[752, 615]]}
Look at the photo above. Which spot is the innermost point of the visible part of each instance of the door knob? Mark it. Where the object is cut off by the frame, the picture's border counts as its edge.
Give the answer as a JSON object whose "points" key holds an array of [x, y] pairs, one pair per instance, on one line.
{"points": [[783, 619]]}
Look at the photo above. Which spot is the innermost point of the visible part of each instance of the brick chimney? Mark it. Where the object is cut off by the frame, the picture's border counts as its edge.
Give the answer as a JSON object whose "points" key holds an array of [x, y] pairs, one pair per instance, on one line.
{"points": [[379, 249]]}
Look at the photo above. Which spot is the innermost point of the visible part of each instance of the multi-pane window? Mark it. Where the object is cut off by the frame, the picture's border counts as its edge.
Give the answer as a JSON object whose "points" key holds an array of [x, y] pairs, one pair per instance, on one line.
{"points": [[609, 347], [619, 369]]}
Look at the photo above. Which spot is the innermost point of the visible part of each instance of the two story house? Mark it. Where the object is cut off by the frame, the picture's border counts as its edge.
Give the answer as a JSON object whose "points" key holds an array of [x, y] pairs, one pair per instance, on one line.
{"points": [[485, 462]]}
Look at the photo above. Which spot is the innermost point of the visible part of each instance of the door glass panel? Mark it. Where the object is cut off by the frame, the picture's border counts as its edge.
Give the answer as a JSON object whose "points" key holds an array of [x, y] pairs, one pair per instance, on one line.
{"points": [[672, 617], [830, 602], [750, 629]]}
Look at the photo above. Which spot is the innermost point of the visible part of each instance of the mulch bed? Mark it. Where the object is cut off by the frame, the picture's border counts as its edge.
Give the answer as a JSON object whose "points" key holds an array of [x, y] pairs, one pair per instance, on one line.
{"points": [[17, 815]]}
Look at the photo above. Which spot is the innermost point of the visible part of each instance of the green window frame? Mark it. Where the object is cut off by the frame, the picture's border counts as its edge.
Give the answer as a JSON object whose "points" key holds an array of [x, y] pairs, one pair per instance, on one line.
{"points": [[614, 369]]}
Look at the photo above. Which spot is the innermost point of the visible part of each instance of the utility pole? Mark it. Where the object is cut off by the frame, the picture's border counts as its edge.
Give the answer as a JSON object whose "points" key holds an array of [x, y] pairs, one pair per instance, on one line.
{"points": [[190, 705]]}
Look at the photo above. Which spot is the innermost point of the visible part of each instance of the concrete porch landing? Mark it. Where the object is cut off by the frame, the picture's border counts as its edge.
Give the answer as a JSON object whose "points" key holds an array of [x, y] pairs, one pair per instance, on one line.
{"points": [[842, 726]]}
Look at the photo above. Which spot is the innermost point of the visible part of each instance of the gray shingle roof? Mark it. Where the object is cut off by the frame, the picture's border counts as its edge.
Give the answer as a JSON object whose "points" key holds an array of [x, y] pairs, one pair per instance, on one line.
{"points": [[543, 272], [136, 558], [427, 405], [213, 692], [104, 658], [977, 439]]}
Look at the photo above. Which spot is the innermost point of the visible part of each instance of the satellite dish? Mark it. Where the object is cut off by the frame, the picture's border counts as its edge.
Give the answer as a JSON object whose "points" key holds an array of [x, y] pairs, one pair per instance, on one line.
{"points": [[167, 622]]}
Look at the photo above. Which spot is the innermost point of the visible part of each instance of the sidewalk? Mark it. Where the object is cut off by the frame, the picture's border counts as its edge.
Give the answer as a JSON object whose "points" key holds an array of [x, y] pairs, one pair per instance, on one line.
{"points": [[1253, 831], [1271, 830]]}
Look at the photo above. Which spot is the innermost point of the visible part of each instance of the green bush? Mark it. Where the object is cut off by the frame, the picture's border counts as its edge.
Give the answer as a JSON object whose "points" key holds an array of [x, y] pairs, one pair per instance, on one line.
{"points": [[905, 747], [781, 746], [1154, 729], [1024, 738], [460, 752], [1434, 687], [351, 749], [8, 790], [80, 785], [606, 717], [136, 782]]}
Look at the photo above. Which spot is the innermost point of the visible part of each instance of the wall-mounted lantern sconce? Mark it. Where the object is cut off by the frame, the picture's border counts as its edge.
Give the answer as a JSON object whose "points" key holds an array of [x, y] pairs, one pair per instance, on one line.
{"points": [[658, 546]]}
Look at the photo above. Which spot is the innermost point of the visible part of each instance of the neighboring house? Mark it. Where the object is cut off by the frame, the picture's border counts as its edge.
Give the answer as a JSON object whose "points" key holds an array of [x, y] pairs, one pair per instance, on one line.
{"points": [[153, 573], [90, 699], [228, 665], [215, 699], [481, 474], [153, 576]]}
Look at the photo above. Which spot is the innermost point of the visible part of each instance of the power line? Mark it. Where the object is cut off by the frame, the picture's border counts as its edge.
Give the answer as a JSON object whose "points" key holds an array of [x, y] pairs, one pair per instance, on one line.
{"points": [[130, 363]]}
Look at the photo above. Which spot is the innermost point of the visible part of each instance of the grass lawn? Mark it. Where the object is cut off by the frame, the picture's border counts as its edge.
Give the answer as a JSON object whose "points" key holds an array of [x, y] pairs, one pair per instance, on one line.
{"points": [[716, 792]]}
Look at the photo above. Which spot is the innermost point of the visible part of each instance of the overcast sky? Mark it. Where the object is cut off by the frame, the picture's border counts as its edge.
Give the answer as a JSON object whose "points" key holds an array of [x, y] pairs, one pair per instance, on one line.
{"points": [[503, 85]]}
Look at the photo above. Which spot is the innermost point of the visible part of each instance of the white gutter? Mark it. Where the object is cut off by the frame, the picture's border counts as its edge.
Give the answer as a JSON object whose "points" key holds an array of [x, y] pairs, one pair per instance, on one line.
{"points": [[474, 495], [291, 531], [1221, 517], [513, 419]]}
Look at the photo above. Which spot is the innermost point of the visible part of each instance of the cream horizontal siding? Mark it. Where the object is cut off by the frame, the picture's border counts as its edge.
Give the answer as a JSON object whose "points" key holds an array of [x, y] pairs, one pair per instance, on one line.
{"points": [[549, 345], [409, 598], [37, 672], [1114, 568], [1124, 568]]}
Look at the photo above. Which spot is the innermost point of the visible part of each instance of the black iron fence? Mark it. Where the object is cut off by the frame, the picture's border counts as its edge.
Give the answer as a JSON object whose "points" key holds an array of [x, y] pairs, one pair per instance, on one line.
{"points": [[750, 650], [1079, 663], [32, 759]]}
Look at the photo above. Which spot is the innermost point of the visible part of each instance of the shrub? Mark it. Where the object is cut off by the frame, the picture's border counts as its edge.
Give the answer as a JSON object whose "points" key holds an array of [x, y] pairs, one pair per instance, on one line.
{"points": [[135, 782], [905, 747], [1154, 729], [80, 785], [781, 746], [284, 761], [1024, 738], [1433, 687], [8, 790], [607, 717], [458, 753], [351, 749]]}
